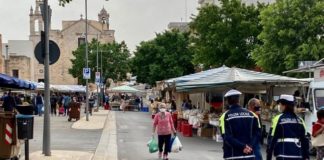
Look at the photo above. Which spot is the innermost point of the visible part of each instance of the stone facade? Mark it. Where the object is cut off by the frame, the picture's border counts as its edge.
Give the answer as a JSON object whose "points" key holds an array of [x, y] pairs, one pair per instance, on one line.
{"points": [[1, 57], [21, 65], [181, 26], [68, 40]]}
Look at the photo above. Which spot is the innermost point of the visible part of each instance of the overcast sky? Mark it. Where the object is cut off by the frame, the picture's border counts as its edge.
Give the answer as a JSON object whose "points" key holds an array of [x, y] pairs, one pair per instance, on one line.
{"points": [[133, 20]]}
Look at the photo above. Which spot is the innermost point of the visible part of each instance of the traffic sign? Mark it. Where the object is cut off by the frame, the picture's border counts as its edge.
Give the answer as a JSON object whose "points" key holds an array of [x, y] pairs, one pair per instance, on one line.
{"points": [[97, 78], [54, 51], [86, 73]]}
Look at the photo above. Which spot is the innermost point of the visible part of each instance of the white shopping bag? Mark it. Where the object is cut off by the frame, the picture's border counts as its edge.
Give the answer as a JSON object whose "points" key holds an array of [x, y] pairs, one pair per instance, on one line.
{"points": [[176, 145]]}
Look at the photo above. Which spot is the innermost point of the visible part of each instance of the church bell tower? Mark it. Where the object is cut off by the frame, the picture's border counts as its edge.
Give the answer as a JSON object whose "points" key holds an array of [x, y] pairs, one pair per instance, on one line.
{"points": [[35, 19]]}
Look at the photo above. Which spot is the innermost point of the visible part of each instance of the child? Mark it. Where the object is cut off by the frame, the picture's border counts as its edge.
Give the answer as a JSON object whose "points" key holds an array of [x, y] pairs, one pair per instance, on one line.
{"points": [[61, 110], [318, 131]]}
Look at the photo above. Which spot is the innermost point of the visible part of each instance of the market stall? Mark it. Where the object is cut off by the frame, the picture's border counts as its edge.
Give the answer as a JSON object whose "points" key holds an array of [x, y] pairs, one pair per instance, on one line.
{"points": [[124, 90], [210, 86]]}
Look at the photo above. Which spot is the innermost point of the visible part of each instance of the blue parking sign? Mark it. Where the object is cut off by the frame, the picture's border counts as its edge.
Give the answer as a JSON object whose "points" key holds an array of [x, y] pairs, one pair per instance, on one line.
{"points": [[86, 73]]}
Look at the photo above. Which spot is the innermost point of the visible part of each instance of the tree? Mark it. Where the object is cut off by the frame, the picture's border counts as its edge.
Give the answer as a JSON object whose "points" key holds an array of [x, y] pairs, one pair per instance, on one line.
{"points": [[115, 61], [292, 31], [226, 34], [166, 56]]}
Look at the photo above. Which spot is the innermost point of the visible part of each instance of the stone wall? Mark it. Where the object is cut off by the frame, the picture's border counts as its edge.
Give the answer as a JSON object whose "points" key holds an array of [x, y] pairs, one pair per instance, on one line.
{"points": [[22, 64]]}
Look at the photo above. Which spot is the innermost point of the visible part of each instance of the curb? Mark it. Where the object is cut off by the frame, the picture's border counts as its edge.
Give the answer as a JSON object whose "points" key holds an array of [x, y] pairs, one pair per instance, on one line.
{"points": [[107, 147]]}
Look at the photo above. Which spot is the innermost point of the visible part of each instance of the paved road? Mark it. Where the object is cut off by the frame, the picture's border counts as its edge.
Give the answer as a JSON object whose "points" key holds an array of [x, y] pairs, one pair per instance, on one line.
{"points": [[134, 130], [64, 137]]}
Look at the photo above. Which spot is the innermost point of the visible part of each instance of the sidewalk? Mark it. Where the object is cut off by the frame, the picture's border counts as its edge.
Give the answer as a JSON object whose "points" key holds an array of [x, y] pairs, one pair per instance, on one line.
{"points": [[96, 123], [107, 147]]}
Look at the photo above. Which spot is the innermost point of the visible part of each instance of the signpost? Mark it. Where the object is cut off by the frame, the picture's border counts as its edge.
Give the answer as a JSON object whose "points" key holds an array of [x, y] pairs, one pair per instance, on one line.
{"points": [[86, 73], [98, 78]]}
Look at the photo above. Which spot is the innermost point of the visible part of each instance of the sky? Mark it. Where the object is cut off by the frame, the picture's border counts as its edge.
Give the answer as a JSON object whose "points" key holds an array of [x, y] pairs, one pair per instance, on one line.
{"points": [[133, 20]]}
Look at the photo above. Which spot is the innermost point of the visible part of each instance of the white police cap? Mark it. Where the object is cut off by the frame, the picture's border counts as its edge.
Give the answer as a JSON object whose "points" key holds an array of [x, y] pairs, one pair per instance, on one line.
{"points": [[286, 97], [232, 92]]}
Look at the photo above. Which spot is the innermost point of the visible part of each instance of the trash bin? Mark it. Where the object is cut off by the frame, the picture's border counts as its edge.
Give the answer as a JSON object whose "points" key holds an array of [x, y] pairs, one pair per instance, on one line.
{"points": [[25, 109], [25, 125], [9, 144]]}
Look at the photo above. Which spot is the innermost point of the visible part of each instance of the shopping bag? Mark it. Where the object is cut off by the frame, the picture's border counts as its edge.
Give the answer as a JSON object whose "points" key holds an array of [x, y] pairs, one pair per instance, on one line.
{"points": [[176, 145], [171, 142], [153, 145]]}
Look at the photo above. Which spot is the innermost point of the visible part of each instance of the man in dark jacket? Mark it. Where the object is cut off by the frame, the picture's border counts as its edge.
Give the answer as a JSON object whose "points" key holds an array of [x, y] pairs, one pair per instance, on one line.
{"points": [[9, 103], [53, 104], [240, 129]]}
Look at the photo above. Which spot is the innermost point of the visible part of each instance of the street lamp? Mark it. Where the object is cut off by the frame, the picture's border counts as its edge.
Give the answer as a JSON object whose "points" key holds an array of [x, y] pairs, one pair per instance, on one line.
{"points": [[87, 61]]}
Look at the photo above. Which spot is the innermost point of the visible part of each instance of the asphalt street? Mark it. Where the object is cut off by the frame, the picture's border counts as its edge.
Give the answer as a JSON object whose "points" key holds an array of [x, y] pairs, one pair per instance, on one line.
{"points": [[134, 130]]}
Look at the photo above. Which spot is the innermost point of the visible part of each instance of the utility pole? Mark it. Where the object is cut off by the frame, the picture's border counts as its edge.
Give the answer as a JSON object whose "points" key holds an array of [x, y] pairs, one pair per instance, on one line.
{"points": [[98, 71], [101, 83], [7, 59], [87, 61], [46, 131]]}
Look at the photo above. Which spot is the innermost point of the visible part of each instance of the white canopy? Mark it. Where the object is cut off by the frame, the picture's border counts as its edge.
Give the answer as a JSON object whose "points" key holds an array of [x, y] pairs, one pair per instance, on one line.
{"points": [[227, 76]]}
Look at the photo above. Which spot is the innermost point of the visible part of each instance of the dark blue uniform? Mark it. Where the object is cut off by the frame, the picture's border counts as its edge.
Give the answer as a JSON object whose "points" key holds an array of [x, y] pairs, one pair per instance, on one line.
{"points": [[239, 127], [288, 138]]}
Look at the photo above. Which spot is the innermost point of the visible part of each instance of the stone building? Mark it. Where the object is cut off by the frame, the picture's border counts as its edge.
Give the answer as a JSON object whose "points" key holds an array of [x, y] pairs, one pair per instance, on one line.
{"points": [[216, 2], [68, 39], [181, 26], [1, 57], [17, 58]]}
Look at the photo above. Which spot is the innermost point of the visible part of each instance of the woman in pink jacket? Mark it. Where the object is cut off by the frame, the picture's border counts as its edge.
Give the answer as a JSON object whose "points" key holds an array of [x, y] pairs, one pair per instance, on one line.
{"points": [[163, 125]]}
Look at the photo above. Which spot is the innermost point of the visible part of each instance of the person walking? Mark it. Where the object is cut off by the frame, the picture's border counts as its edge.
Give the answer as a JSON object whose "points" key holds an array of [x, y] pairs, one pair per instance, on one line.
{"points": [[39, 104], [66, 103], [288, 138], [254, 107], [240, 129], [163, 126], [53, 104], [9, 103], [318, 134]]}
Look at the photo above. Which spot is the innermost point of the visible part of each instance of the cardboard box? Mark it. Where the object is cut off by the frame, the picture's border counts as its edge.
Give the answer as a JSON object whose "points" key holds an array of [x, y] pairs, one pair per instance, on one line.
{"points": [[205, 132]]}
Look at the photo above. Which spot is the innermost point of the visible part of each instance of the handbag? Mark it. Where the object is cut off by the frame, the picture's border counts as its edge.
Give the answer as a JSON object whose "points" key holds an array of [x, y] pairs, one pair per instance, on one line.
{"points": [[318, 141]]}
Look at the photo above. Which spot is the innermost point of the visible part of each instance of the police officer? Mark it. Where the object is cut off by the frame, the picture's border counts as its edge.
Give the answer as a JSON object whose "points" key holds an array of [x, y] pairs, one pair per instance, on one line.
{"points": [[288, 134], [240, 129]]}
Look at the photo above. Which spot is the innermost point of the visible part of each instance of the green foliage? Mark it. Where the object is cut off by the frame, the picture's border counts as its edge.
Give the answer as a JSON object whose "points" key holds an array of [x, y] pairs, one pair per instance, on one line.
{"points": [[292, 31], [226, 34], [115, 61], [166, 56]]}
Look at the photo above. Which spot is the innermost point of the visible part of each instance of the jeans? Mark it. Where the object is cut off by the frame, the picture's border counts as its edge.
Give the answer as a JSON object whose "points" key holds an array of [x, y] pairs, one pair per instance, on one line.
{"points": [[164, 140], [257, 152], [40, 109]]}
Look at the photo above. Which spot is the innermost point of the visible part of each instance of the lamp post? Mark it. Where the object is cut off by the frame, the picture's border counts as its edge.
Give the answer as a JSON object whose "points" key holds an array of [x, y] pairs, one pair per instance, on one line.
{"points": [[98, 97], [87, 61], [7, 60]]}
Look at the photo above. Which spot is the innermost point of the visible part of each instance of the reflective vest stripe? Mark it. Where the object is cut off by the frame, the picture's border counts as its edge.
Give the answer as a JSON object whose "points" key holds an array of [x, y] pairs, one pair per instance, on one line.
{"points": [[274, 124], [288, 156], [241, 157], [294, 140], [222, 122], [239, 117], [256, 116]]}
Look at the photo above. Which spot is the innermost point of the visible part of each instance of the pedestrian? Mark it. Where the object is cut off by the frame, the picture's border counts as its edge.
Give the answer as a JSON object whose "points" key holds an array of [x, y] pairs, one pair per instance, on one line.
{"points": [[173, 105], [91, 104], [66, 103], [39, 104], [254, 107], [123, 104], [9, 103], [318, 134], [163, 126], [288, 138], [53, 104], [240, 129], [141, 102]]}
